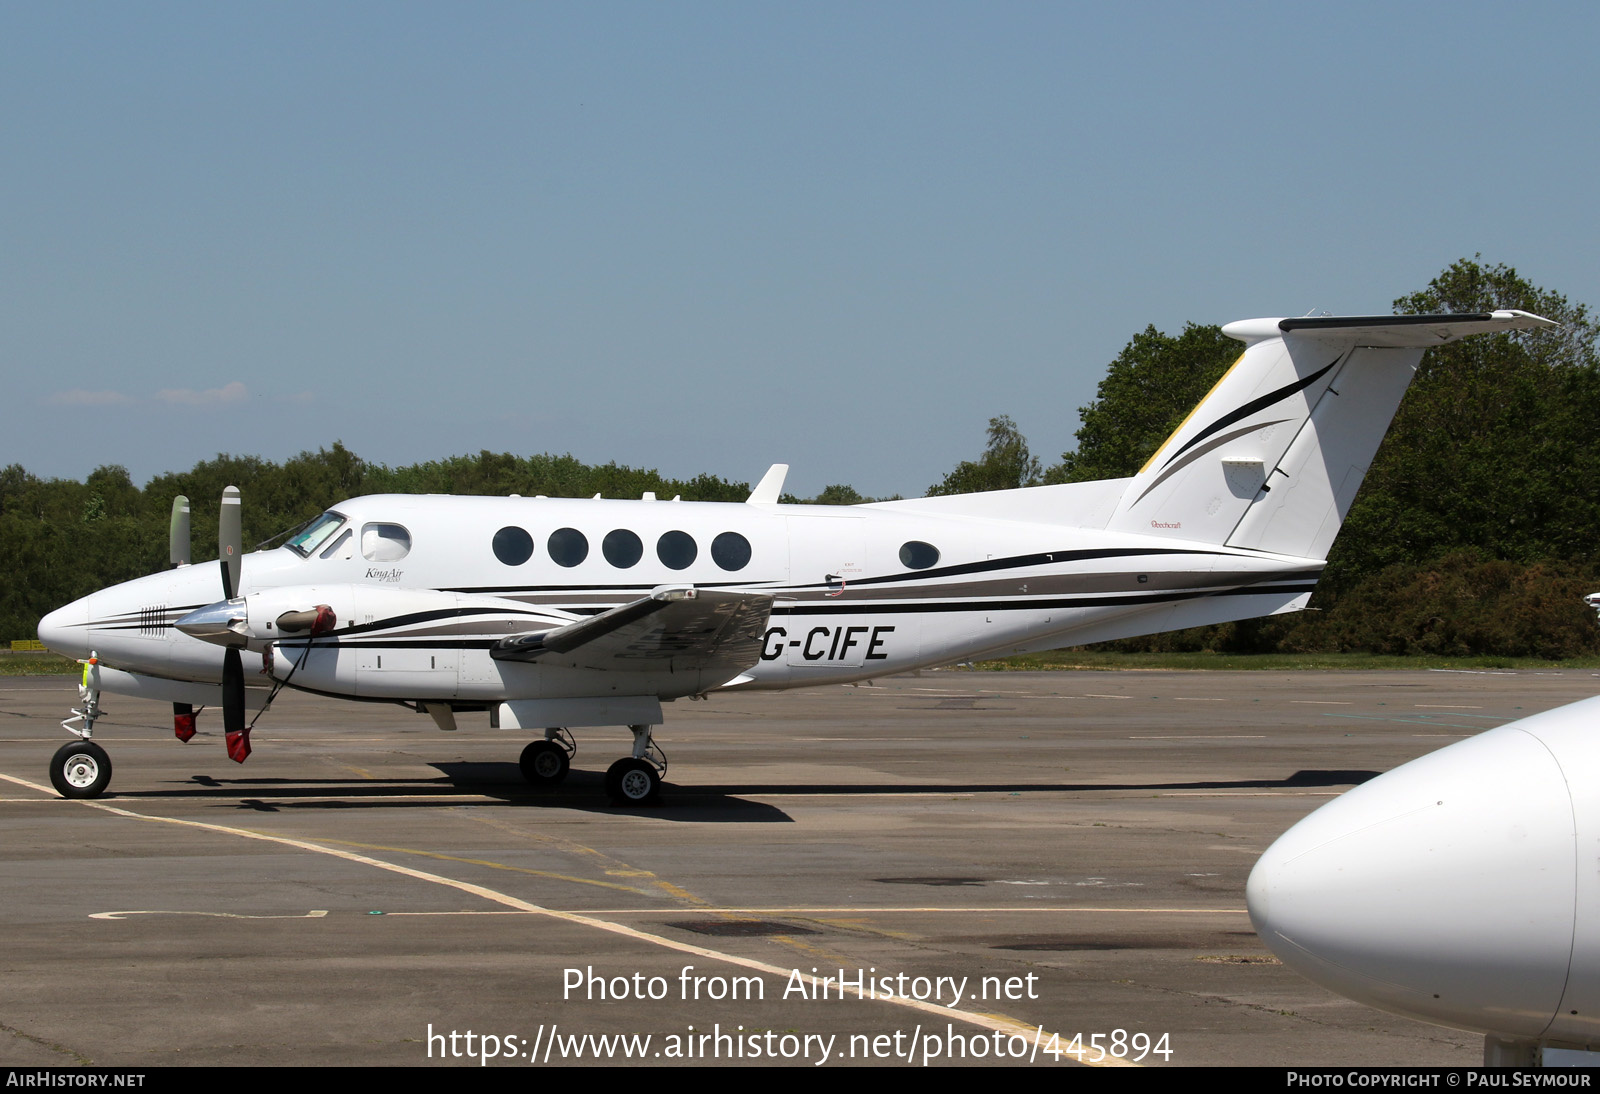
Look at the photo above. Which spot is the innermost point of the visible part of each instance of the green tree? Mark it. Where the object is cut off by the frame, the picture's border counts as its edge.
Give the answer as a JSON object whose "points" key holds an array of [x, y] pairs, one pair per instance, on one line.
{"points": [[1496, 447], [839, 494], [1153, 384], [1005, 464]]}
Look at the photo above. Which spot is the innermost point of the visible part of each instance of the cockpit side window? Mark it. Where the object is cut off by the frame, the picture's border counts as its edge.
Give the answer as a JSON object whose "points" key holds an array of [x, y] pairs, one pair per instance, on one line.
{"points": [[384, 542], [333, 547], [317, 531]]}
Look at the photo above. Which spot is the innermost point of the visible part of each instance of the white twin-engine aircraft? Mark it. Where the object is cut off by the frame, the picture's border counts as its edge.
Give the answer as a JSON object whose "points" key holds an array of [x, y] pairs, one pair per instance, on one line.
{"points": [[552, 613]]}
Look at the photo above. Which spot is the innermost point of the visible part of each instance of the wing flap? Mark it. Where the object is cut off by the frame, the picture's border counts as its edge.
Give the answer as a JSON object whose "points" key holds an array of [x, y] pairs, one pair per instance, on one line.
{"points": [[674, 629]]}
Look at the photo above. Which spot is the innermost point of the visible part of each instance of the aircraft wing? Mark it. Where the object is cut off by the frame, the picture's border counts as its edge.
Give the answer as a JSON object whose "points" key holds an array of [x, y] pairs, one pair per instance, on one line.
{"points": [[674, 629]]}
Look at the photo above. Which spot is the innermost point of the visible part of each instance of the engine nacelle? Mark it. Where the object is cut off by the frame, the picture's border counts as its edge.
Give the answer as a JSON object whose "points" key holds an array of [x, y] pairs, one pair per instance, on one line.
{"points": [[364, 641]]}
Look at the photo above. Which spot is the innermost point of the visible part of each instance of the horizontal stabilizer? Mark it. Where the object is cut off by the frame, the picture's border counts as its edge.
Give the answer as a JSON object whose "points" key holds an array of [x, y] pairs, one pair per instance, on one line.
{"points": [[676, 628], [1393, 331]]}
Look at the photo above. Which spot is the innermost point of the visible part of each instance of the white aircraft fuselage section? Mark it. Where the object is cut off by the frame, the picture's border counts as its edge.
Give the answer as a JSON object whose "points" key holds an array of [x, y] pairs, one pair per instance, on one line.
{"points": [[847, 605], [1459, 888]]}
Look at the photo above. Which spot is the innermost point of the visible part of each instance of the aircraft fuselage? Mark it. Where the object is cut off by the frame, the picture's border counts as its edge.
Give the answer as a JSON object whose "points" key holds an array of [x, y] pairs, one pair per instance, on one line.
{"points": [[859, 592]]}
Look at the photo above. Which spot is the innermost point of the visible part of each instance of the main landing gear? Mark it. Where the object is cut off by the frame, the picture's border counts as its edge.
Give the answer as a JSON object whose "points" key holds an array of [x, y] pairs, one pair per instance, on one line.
{"points": [[636, 779], [545, 763], [633, 780]]}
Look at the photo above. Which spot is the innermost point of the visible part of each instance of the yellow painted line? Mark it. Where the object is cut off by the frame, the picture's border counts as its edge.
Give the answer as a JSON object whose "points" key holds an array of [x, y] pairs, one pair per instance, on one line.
{"points": [[552, 875], [613, 867], [360, 771], [812, 950], [993, 1022]]}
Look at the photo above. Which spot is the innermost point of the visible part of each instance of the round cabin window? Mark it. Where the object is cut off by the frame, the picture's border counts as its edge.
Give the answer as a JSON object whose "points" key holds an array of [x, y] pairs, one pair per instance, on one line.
{"points": [[567, 546], [513, 546], [677, 549]]}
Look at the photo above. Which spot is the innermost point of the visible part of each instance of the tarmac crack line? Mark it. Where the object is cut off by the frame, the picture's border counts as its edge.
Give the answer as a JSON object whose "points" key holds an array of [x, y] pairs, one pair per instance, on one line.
{"points": [[992, 1022], [53, 1046], [1268, 1009]]}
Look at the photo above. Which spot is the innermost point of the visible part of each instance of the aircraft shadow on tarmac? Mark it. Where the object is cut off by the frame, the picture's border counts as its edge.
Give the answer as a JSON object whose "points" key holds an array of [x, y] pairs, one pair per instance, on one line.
{"points": [[584, 791]]}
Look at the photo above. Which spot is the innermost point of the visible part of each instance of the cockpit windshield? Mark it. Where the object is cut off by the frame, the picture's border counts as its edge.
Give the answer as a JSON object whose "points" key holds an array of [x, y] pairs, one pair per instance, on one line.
{"points": [[315, 532]]}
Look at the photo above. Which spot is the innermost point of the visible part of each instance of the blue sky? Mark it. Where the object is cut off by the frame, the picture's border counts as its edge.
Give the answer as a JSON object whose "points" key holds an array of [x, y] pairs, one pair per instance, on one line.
{"points": [[709, 237]]}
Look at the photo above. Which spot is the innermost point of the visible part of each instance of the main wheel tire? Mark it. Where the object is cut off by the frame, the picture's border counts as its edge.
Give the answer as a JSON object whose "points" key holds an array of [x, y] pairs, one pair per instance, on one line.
{"points": [[633, 782], [544, 763], [80, 770]]}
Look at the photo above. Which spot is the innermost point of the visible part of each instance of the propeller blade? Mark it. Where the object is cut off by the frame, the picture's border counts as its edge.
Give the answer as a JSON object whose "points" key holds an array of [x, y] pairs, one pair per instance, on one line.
{"points": [[230, 539], [182, 721], [237, 733], [178, 532]]}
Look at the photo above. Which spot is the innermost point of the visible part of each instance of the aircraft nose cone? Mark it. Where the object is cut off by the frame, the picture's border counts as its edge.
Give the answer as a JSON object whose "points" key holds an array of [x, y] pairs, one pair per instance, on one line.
{"points": [[66, 630], [1436, 890]]}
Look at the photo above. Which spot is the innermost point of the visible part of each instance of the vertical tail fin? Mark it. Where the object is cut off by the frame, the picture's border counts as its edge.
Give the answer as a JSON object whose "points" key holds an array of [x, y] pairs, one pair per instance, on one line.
{"points": [[1272, 457]]}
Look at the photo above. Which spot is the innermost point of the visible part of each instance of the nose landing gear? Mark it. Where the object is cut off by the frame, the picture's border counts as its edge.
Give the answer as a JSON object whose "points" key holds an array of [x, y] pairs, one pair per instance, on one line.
{"points": [[82, 769]]}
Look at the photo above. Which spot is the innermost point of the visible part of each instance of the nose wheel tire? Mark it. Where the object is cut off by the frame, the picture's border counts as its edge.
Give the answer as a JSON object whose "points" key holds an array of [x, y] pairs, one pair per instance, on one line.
{"points": [[633, 782], [544, 763], [80, 770]]}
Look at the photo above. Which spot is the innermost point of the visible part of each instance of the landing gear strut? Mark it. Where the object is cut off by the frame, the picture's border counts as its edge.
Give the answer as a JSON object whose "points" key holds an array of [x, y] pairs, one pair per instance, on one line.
{"points": [[636, 780], [82, 769]]}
